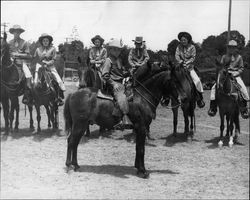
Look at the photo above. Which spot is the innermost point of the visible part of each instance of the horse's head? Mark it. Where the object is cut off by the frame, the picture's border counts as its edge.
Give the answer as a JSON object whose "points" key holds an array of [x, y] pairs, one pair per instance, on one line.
{"points": [[43, 78], [224, 81]]}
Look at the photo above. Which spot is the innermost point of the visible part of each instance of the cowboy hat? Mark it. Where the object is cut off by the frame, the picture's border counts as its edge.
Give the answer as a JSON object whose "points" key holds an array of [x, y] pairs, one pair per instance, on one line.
{"points": [[115, 43], [97, 37], [45, 35], [138, 39], [232, 43], [185, 35], [16, 28]]}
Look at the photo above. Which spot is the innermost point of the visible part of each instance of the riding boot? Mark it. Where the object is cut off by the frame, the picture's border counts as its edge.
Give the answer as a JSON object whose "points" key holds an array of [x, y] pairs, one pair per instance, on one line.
{"points": [[27, 98], [200, 101], [127, 124], [60, 98], [213, 108], [243, 108]]}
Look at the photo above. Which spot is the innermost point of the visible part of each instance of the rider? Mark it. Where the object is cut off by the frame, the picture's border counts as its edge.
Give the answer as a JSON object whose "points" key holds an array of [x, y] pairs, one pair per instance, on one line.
{"points": [[234, 64], [112, 73], [47, 56], [98, 53], [185, 55], [20, 53], [138, 57]]}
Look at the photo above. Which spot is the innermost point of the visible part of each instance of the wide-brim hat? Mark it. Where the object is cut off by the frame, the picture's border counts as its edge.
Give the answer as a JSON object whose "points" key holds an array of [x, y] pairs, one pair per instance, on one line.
{"points": [[16, 28], [115, 43], [97, 37], [138, 39], [45, 35], [185, 35], [232, 43]]}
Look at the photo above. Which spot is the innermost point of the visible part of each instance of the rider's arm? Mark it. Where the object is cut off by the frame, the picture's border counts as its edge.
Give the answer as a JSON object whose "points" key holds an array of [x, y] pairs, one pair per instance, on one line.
{"points": [[106, 70], [192, 53], [146, 57], [91, 56], [52, 57], [130, 58], [178, 55], [103, 56]]}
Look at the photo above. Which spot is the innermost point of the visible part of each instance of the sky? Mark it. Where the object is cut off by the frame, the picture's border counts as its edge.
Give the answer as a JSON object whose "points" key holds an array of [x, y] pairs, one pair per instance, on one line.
{"points": [[159, 22]]}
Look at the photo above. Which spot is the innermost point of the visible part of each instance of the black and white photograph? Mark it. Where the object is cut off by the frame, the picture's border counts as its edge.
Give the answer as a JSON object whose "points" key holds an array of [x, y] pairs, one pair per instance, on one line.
{"points": [[125, 99]]}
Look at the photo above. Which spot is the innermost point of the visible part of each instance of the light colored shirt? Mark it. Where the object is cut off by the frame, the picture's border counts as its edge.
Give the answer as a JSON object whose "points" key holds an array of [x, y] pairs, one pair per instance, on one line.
{"points": [[138, 56], [233, 63], [186, 55], [47, 54], [19, 46], [97, 54]]}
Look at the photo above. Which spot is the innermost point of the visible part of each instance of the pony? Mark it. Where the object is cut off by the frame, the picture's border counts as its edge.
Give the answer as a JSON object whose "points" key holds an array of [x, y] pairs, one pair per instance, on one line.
{"points": [[12, 86], [83, 107], [182, 82], [45, 93], [227, 101]]}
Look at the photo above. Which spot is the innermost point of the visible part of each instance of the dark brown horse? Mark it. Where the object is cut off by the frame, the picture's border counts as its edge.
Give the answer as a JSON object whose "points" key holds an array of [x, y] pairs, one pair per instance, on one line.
{"points": [[45, 93], [12, 86], [227, 101], [83, 107], [184, 82]]}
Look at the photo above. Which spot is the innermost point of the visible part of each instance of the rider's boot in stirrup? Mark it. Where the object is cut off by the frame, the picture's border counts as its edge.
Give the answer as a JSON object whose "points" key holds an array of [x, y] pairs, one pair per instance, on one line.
{"points": [[60, 98], [127, 124], [243, 108], [200, 101], [213, 108], [27, 98]]}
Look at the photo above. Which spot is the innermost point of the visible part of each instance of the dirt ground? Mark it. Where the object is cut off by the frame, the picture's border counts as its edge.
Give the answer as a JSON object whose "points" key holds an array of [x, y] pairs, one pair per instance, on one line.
{"points": [[33, 165]]}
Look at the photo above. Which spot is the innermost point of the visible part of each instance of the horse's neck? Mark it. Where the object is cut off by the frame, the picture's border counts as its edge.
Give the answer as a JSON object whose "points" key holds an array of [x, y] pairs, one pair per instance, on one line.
{"points": [[153, 87]]}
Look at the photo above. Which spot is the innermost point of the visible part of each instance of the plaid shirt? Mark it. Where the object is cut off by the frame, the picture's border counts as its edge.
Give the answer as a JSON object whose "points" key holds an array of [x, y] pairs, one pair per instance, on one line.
{"points": [[186, 55]]}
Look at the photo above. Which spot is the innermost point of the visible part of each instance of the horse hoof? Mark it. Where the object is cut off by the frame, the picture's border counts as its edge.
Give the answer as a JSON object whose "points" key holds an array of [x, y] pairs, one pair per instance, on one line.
{"points": [[32, 128], [230, 144], [142, 174], [76, 167], [174, 134], [49, 125], [220, 144]]}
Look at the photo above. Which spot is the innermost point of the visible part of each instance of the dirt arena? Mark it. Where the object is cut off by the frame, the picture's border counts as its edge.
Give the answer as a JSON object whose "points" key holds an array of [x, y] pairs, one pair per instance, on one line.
{"points": [[33, 165]]}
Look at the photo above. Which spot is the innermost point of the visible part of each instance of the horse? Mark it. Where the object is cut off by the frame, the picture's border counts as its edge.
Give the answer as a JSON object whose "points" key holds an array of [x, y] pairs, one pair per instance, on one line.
{"points": [[83, 107], [45, 93], [182, 82], [227, 101], [12, 86]]}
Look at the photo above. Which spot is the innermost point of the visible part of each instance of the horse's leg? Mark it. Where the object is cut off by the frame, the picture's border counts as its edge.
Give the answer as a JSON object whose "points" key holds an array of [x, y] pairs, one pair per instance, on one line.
{"points": [[30, 107], [228, 125], [5, 104], [17, 113], [78, 128], [186, 121], [56, 120], [140, 151], [221, 129], [38, 118], [48, 115], [101, 131], [231, 127], [237, 127], [175, 121], [11, 113], [52, 116]]}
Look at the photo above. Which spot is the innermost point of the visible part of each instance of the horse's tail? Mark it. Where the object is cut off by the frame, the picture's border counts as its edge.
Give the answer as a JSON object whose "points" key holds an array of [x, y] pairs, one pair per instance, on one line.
{"points": [[67, 115]]}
